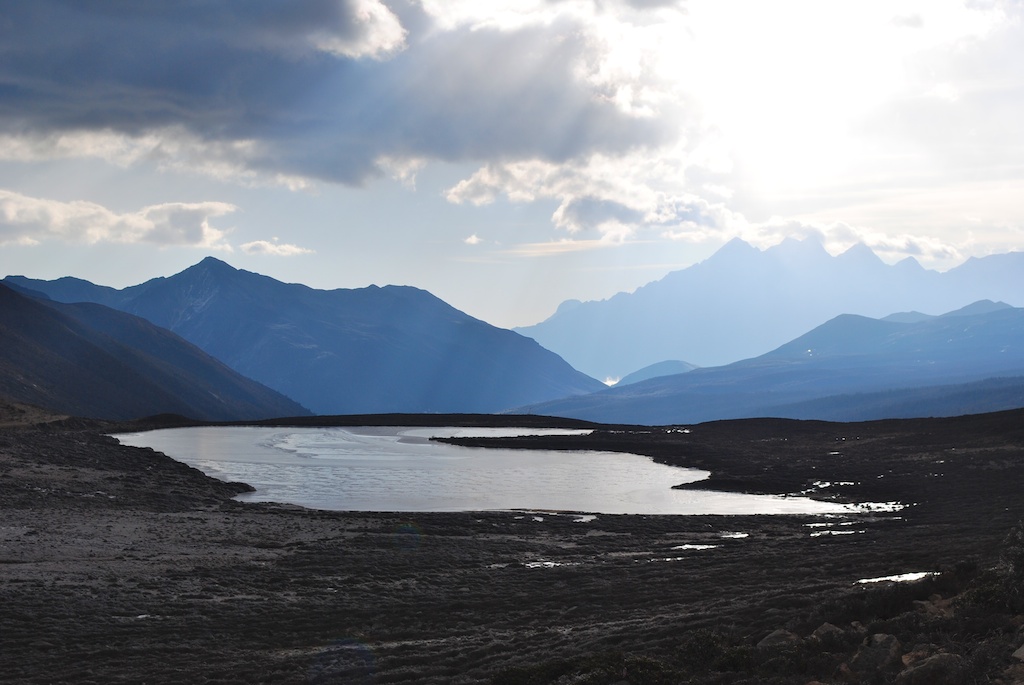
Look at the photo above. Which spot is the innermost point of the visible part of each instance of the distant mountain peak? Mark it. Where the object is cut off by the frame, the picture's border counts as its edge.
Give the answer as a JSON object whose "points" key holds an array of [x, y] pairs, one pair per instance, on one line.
{"points": [[909, 264], [567, 305], [861, 254], [213, 264], [735, 249], [979, 307]]}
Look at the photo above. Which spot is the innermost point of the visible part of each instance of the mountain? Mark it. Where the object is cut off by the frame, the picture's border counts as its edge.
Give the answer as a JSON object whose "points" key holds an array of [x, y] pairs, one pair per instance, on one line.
{"points": [[665, 368], [742, 302], [850, 368], [92, 361], [367, 350], [980, 307]]}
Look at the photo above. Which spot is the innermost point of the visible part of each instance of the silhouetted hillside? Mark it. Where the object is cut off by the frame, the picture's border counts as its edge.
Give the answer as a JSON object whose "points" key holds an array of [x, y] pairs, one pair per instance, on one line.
{"points": [[89, 360], [367, 350], [742, 302], [850, 368]]}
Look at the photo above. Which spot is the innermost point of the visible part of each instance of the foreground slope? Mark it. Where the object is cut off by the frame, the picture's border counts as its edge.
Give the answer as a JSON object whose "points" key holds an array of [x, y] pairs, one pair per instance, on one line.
{"points": [[93, 361], [742, 302], [368, 350], [850, 368]]}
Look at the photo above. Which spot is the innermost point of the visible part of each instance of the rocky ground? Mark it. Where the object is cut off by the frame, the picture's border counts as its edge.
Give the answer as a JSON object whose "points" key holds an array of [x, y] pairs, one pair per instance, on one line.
{"points": [[120, 565]]}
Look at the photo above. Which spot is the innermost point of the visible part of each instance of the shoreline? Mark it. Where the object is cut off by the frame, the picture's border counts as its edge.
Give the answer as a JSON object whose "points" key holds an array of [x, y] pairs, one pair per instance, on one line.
{"points": [[122, 565]]}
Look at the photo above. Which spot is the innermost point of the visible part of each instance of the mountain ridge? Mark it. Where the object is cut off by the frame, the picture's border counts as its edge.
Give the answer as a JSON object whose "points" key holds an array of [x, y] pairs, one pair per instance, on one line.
{"points": [[742, 302], [93, 361], [343, 351], [832, 366]]}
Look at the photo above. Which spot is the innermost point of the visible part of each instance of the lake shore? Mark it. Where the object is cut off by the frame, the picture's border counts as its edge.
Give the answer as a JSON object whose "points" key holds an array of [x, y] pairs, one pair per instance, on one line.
{"points": [[118, 564]]}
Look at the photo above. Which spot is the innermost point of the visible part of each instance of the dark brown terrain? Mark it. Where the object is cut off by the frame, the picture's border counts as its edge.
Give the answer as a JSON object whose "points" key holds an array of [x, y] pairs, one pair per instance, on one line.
{"points": [[119, 565]]}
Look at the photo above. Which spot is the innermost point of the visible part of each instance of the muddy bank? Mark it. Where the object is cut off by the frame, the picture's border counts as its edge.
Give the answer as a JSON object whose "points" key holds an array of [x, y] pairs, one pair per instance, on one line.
{"points": [[120, 565]]}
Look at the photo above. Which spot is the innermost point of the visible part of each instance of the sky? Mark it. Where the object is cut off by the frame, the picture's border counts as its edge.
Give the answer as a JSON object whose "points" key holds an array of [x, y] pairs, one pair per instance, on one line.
{"points": [[504, 155]]}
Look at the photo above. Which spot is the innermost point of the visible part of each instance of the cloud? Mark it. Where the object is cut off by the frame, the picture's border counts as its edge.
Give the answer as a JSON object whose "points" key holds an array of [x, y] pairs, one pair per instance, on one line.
{"points": [[273, 249], [910, 21], [28, 220], [557, 247], [837, 237], [615, 197], [473, 240], [332, 90]]}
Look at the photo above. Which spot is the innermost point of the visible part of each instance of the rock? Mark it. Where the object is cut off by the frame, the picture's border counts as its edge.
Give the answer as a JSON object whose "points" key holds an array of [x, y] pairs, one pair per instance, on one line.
{"points": [[1013, 675], [779, 638], [1019, 654], [827, 632], [919, 652], [939, 669], [935, 606], [878, 653]]}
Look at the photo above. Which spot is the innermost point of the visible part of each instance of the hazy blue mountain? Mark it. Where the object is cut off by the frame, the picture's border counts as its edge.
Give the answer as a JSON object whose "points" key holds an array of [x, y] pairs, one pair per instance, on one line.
{"points": [[742, 302], [90, 360], [830, 372], [665, 368], [367, 350]]}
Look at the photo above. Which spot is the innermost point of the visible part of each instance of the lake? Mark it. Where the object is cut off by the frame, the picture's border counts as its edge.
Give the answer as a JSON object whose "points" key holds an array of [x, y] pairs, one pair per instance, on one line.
{"points": [[401, 469]]}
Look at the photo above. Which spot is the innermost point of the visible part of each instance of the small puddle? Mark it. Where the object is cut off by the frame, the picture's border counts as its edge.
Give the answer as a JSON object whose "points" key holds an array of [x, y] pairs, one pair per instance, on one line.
{"points": [[900, 578]]}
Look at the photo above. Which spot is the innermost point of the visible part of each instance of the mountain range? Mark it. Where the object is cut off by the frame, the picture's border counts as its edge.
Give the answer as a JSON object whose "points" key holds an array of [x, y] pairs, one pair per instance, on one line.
{"points": [[742, 302], [92, 361], [366, 350], [849, 368]]}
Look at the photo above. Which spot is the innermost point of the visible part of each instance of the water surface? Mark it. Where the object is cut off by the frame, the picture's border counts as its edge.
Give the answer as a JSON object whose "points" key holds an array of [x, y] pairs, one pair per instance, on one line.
{"points": [[400, 469]]}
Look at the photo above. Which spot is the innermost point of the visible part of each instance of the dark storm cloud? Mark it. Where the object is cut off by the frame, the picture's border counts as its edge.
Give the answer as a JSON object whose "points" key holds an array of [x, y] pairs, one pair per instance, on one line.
{"points": [[315, 87]]}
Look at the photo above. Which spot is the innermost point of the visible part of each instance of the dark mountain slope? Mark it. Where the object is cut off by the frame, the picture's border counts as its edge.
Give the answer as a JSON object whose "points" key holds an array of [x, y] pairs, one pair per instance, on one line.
{"points": [[843, 360], [368, 350], [89, 360]]}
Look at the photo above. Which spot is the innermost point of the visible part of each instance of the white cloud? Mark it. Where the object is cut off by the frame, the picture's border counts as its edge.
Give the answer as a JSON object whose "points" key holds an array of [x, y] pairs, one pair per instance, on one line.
{"points": [[273, 249], [637, 118], [28, 220], [473, 240], [557, 247], [377, 33]]}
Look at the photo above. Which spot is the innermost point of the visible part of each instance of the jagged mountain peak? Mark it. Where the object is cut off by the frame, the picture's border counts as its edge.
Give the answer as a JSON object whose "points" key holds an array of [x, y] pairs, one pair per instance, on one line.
{"points": [[861, 254], [800, 248], [909, 264], [742, 302]]}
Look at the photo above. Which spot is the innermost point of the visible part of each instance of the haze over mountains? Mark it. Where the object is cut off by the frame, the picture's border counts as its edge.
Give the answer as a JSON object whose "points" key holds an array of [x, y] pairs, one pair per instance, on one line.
{"points": [[368, 350], [400, 349], [89, 360], [742, 302], [849, 368]]}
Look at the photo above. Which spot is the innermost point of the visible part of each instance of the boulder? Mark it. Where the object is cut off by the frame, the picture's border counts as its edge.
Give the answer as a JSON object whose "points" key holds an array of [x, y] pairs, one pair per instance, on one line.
{"points": [[827, 632], [779, 638], [938, 669], [879, 653], [1019, 654], [919, 652], [935, 606]]}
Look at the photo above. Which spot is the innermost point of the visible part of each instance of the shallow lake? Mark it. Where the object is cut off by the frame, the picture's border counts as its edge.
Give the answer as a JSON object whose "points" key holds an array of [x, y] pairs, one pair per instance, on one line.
{"points": [[401, 469]]}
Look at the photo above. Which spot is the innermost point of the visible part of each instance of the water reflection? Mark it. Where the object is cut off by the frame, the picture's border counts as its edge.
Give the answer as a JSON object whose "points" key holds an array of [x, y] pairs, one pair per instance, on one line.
{"points": [[400, 469]]}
